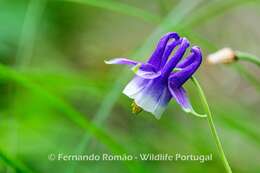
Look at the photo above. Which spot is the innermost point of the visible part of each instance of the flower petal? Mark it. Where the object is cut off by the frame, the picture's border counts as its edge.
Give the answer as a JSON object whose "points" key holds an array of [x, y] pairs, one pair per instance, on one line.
{"points": [[146, 71], [151, 95], [190, 59], [181, 97], [124, 61], [135, 86], [177, 79], [170, 47], [156, 57], [170, 65]]}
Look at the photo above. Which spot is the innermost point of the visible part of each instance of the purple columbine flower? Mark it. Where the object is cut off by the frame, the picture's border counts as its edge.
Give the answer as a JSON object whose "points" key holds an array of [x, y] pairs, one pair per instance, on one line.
{"points": [[161, 78]]}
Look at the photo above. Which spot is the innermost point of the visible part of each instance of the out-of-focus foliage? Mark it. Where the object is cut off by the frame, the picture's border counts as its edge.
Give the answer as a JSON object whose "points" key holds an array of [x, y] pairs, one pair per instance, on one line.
{"points": [[58, 96]]}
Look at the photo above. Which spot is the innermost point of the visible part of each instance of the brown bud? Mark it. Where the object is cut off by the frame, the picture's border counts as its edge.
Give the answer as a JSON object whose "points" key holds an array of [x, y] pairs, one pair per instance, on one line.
{"points": [[223, 56]]}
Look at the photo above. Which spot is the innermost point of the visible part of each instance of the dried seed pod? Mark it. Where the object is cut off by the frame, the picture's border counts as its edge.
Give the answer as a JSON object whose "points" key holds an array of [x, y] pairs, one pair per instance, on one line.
{"points": [[223, 56]]}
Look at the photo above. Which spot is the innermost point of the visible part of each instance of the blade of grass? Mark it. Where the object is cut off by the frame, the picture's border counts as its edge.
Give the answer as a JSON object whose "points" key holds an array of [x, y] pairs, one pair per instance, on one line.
{"points": [[32, 18], [24, 53], [62, 81], [241, 127], [68, 111], [246, 75], [171, 20], [14, 164], [121, 8]]}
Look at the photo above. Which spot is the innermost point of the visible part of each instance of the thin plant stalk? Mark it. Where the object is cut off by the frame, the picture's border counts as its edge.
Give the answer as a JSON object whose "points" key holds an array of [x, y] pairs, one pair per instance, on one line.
{"points": [[247, 57], [211, 125]]}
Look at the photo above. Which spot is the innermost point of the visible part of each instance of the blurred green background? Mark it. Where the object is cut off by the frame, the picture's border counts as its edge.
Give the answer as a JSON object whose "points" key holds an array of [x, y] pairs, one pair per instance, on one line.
{"points": [[58, 96]]}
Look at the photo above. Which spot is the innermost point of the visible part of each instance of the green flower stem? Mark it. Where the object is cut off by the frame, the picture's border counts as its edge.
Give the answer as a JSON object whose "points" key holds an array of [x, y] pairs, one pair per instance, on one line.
{"points": [[247, 57], [211, 124]]}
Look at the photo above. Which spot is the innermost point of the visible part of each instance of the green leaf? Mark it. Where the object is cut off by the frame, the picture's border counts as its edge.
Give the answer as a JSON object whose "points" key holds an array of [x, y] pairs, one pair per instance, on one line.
{"points": [[120, 8]]}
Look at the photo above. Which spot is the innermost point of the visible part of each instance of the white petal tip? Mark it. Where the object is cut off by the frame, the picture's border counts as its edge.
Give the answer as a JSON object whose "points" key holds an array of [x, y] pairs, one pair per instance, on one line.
{"points": [[156, 111], [107, 61], [157, 117]]}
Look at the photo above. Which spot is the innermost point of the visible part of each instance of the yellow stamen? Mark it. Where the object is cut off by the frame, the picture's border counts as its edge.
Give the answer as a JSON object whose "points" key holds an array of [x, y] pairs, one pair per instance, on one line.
{"points": [[136, 68], [135, 108]]}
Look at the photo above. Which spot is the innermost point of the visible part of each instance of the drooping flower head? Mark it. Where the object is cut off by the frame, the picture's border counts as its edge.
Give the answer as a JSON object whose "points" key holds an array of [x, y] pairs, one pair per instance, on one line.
{"points": [[161, 78]]}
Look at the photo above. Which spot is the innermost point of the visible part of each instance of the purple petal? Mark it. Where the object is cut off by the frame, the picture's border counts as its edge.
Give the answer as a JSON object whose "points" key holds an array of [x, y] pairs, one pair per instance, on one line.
{"points": [[156, 57], [135, 86], [190, 59], [151, 95], [181, 97], [148, 74], [170, 65], [146, 71], [177, 79], [124, 61], [168, 51]]}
